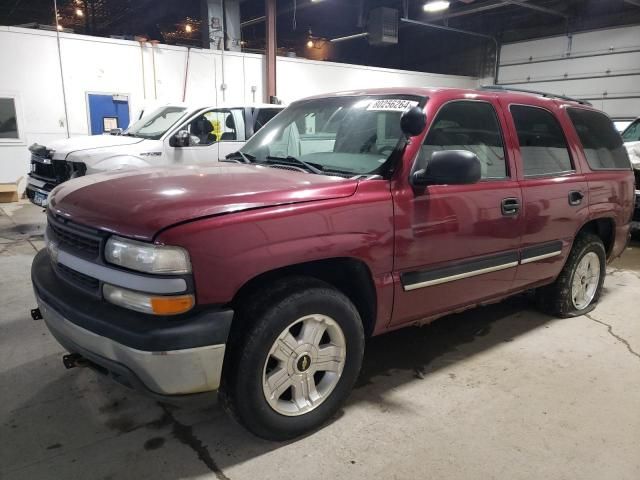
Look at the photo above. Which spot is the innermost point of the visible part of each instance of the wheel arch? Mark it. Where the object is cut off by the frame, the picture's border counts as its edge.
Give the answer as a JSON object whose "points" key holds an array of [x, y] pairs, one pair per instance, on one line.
{"points": [[604, 228], [349, 275]]}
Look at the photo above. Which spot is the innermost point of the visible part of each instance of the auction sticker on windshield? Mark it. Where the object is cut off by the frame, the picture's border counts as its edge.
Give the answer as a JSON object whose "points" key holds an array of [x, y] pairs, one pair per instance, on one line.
{"points": [[391, 105]]}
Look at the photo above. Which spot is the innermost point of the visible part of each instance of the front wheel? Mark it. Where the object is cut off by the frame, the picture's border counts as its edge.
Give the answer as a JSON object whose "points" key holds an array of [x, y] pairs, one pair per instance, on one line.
{"points": [[578, 287], [297, 360]]}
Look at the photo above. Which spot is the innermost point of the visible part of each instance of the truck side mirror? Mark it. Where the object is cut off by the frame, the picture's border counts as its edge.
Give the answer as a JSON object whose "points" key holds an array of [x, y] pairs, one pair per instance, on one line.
{"points": [[180, 139], [413, 121], [449, 167]]}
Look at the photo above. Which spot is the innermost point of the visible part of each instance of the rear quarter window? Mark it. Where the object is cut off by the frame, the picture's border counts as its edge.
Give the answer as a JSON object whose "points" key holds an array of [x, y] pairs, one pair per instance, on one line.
{"points": [[601, 142]]}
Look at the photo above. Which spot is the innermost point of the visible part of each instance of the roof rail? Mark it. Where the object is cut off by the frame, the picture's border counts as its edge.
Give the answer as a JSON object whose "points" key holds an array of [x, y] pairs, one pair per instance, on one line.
{"points": [[502, 88]]}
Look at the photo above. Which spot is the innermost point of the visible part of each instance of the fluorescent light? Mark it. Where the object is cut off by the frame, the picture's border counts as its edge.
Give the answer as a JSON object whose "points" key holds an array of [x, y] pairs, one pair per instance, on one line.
{"points": [[435, 6]]}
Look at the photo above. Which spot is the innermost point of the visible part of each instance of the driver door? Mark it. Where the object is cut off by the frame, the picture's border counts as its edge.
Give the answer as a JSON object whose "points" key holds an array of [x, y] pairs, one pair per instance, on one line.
{"points": [[458, 244], [213, 134]]}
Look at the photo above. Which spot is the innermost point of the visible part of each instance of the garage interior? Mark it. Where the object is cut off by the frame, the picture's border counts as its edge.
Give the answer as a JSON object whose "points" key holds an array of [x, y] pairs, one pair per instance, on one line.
{"points": [[498, 391]]}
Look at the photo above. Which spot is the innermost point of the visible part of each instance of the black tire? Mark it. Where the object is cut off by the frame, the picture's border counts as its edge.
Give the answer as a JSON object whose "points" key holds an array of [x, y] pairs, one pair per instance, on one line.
{"points": [[556, 298], [256, 327]]}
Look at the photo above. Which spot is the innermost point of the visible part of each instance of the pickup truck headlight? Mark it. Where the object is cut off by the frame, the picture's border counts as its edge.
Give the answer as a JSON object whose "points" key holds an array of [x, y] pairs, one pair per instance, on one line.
{"points": [[147, 257], [148, 303]]}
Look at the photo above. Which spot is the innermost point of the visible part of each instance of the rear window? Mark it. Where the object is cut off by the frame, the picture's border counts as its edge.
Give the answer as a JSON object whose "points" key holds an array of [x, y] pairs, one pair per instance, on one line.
{"points": [[601, 142], [543, 147]]}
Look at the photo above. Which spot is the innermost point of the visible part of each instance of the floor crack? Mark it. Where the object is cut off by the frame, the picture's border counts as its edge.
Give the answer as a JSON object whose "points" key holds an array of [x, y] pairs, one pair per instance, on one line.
{"points": [[184, 433], [614, 335]]}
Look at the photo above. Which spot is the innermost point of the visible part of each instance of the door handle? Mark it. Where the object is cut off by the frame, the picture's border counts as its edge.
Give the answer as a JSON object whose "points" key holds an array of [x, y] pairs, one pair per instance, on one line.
{"points": [[510, 207], [575, 197]]}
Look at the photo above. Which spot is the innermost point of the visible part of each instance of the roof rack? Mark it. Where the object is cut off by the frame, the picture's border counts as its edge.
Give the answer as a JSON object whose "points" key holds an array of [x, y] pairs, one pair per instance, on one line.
{"points": [[535, 92]]}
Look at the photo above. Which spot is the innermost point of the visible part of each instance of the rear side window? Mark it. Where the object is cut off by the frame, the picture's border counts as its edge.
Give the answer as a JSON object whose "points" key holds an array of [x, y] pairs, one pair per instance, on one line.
{"points": [[601, 142], [472, 126], [543, 147], [263, 116]]}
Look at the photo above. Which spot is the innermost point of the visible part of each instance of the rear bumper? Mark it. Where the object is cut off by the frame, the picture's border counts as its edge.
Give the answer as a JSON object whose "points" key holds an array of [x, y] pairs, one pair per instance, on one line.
{"points": [[160, 356]]}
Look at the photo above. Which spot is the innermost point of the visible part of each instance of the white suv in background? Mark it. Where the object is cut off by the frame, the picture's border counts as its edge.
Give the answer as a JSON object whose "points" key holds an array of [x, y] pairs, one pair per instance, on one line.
{"points": [[631, 138], [171, 134]]}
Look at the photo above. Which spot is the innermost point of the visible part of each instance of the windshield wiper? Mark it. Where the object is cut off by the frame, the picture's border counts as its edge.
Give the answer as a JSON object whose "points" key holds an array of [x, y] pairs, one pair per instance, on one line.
{"points": [[313, 168], [246, 158]]}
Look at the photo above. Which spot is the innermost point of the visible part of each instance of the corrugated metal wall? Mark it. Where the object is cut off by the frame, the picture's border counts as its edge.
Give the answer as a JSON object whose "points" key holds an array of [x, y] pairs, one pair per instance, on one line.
{"points": [[601, 66]]}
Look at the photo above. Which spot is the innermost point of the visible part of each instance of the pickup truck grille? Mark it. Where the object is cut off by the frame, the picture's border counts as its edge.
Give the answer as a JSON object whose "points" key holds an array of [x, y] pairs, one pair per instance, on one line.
{"points": [[45, 171], [76, 239], [55, 172], [637, 174]]}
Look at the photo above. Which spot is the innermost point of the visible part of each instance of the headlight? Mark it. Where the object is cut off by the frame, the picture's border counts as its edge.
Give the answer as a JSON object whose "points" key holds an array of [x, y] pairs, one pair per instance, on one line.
{"points": [[146, 257], [147, 303]]}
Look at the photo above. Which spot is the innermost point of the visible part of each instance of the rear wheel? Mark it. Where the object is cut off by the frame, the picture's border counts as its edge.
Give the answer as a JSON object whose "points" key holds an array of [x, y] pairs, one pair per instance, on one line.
{"points": [[296, 360], [577, 289]]}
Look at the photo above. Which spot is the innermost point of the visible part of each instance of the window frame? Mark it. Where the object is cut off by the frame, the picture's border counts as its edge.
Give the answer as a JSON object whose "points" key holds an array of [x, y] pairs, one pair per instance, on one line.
{"points": [[582, 149], [563, 173], [18, 109], [508, 170]]}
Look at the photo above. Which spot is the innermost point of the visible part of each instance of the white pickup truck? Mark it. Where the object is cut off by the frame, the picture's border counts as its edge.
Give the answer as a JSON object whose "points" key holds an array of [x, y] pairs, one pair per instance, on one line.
{"points": [[171, 134]]}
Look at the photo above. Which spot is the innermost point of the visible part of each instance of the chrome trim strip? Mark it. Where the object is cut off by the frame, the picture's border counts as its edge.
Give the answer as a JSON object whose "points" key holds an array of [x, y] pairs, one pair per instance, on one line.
{"points": [[540, 257], [39, 190], [37, 183], [460, 276], [123, 279], [173, 372]]}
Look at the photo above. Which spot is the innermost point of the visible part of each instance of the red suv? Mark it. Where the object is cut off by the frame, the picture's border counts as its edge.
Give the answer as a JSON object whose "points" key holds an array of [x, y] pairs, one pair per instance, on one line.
{"points": [[345, 217]]}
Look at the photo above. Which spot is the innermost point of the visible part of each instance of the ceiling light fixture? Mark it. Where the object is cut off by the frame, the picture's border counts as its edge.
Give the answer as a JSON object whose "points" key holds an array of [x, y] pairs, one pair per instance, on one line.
{"points": [[435, 6]]}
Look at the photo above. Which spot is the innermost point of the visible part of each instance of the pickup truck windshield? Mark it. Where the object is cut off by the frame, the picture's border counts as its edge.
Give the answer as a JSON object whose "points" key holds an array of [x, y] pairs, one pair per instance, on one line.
{"points": [[349, 135], [154, 125]]}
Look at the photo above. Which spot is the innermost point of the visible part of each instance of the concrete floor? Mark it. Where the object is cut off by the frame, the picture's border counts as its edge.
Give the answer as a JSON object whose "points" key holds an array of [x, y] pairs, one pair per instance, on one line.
{"points": [[498, 392]]}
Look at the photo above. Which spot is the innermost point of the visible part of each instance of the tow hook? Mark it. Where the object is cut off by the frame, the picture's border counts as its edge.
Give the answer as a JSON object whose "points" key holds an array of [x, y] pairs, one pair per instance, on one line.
{"points": [[73, 360], [36, 314]]}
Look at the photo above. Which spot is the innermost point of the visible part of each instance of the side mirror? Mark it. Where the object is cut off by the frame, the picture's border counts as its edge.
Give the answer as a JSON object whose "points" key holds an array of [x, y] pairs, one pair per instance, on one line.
{"points": [[180, 139], [413, 122], [116, 131], [449, 167]]}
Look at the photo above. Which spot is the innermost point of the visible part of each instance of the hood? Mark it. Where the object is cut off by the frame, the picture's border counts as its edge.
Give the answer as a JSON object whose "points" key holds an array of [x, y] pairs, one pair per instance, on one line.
{"points": [[138, 204], [62, 148]]}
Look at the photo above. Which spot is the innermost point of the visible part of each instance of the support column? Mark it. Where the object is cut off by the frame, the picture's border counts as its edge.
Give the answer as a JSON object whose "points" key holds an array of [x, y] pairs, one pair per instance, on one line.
{"points": [[270, 8]]}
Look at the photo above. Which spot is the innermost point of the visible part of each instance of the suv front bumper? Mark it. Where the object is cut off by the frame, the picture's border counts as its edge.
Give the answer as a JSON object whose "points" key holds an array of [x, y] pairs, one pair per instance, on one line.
{"points": [[162, 356]]}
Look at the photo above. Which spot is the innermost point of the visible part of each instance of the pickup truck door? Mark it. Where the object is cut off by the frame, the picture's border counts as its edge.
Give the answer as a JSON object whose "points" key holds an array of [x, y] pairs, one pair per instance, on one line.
{"points": [[214, 134], [458, 244], [554, 190]]}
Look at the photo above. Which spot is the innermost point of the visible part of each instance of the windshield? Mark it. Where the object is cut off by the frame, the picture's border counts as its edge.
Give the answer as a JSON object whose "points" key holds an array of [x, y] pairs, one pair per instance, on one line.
{"points": [[154, 125], [632, 133], [352, 135]]}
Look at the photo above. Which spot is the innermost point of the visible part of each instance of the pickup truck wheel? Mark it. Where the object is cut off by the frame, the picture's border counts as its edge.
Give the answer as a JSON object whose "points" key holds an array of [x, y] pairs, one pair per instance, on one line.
{"points": [[578, 287], [297, 361]]}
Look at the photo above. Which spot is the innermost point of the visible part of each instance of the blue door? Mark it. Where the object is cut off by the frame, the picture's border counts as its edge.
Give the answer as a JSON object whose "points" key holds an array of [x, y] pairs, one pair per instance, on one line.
{"points": [[107, 112]]}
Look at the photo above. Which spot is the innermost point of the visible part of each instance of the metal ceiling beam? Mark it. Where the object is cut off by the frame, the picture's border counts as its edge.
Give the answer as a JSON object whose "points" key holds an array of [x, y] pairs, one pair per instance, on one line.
{"points": [[444, 27], [468, 11], [501, 4], [531, 6]]}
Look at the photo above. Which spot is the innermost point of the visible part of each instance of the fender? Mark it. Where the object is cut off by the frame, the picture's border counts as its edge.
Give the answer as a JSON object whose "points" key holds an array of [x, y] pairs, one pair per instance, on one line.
{"points": [[228, 251]]}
